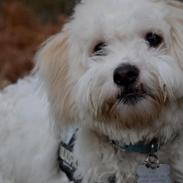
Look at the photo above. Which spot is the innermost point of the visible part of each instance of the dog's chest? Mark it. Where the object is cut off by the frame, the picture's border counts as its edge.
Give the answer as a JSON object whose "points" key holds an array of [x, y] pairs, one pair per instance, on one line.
{"points": [[127, 168], [100, 162]]}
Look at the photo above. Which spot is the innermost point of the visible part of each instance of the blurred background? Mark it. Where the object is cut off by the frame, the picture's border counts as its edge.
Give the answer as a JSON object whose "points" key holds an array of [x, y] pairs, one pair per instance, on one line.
{"points": [[24, 25]]}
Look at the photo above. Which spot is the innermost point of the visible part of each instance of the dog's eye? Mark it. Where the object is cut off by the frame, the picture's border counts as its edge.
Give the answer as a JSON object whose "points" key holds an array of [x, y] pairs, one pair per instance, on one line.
{"points": [[99, 49], [153, 39]]}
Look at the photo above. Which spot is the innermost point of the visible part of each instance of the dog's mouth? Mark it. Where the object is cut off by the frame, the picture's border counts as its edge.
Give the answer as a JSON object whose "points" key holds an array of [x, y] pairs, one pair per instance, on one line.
{"points": [[132, 95]]}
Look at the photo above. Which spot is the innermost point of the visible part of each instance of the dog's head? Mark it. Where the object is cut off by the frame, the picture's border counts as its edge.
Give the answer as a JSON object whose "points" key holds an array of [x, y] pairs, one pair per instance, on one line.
{"points": [[117, 64]]}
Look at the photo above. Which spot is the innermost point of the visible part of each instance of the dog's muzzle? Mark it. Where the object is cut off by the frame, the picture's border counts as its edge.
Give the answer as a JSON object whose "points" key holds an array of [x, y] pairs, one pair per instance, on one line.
{"points": [[125, 77]]}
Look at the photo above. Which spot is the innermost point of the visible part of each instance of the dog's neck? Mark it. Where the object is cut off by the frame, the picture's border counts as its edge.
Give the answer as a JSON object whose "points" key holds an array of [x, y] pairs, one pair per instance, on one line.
{"points": [[135, 140], [143, 143], [145, 146]]}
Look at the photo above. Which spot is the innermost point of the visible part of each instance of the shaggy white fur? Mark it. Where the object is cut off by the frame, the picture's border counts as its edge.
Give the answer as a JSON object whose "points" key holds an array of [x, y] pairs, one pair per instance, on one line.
{"points": [[28, 147], [79, 66]]}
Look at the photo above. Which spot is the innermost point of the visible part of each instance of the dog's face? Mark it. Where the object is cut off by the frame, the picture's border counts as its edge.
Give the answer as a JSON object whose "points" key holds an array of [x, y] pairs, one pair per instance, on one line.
{"points": [[117, 63]]}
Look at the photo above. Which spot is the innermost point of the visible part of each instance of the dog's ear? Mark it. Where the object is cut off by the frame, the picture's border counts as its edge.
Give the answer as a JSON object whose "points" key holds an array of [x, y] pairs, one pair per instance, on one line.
{"points": [[175, 19], [52, 61]]}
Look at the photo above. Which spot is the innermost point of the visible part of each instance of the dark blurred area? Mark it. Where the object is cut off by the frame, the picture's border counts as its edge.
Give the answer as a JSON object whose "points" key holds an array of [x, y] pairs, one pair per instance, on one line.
{"points": [[24, 25]]}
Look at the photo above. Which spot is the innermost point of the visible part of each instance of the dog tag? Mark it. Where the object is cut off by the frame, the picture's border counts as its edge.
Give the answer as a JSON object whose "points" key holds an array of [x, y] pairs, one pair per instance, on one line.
{"points": [[157, 175]]}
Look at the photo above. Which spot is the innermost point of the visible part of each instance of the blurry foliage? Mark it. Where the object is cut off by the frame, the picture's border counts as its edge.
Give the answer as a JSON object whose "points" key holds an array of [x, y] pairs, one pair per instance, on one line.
{"points": [[49, 9], [21, 33]]}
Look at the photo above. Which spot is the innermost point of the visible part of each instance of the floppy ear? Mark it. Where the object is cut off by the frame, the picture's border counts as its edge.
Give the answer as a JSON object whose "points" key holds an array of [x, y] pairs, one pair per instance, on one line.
{"points": [[53, 64], [176, 21]]}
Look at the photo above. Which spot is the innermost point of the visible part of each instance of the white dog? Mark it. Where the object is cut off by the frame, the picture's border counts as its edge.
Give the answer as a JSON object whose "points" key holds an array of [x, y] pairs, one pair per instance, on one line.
{"points": [[116, 72]]}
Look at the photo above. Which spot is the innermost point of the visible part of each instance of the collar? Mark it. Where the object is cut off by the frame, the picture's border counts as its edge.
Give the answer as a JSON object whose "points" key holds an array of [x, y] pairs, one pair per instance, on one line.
{"points": [[142, 147], [145, 147]]}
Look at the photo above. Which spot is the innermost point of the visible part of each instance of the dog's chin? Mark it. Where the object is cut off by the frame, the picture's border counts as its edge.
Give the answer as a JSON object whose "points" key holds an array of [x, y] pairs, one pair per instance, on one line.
{"points": [[132, 107]]}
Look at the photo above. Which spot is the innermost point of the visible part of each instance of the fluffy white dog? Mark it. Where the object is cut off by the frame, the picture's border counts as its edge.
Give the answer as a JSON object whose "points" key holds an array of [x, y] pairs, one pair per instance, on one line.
{"points": [[116, 72]]}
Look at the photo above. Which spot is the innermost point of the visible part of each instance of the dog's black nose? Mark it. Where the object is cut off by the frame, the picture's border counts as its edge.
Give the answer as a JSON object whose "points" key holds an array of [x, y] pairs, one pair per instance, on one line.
{"points": [[125, 75]]}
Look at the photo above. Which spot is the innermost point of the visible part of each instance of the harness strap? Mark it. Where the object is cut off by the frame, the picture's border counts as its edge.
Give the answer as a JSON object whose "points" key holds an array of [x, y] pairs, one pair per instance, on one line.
{"points": [[67, 164]]}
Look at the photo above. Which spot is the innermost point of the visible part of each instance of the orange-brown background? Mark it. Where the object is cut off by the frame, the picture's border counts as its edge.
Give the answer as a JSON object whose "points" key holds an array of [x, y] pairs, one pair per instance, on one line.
{"points": [[24, 24]]}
